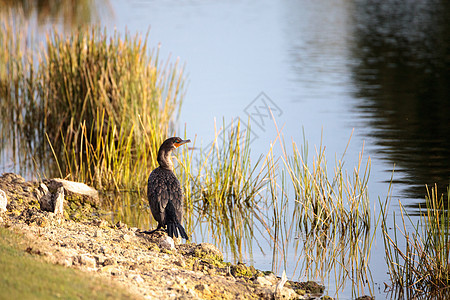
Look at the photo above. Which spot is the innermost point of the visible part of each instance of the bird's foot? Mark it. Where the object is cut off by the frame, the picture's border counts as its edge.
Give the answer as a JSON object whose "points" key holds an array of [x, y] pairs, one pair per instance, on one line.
{"points": [[151, 231]]}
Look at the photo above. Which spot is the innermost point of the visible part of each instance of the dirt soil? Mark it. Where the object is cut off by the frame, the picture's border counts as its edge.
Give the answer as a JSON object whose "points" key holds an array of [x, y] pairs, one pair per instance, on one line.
{"points": [[149, 265]]}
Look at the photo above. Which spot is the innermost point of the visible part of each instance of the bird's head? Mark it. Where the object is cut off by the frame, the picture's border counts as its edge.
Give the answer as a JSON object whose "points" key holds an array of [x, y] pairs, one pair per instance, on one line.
{"points": [[173, 142], [164, 158]]}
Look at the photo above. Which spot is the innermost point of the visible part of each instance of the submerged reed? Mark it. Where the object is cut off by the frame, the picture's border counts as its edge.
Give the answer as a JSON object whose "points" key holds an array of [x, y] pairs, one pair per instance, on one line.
{"points": [[332, 217], [418, 260]]}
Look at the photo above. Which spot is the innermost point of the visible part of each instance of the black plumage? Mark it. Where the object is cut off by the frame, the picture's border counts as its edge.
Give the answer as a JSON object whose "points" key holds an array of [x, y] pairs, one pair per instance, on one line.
{"points": [[164, 191]]}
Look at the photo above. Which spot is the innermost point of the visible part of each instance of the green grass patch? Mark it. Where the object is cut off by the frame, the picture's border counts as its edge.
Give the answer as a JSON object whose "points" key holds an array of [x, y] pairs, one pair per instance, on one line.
{"points": [[23, 276]]}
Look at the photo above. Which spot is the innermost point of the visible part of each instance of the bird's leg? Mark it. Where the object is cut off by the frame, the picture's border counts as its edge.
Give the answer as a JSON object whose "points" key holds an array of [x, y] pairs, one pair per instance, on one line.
{"points": [[154, 230]]}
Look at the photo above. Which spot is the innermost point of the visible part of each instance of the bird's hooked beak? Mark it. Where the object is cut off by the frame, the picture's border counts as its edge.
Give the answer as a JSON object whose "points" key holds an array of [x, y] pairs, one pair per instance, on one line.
{"points": [[181, 143]]}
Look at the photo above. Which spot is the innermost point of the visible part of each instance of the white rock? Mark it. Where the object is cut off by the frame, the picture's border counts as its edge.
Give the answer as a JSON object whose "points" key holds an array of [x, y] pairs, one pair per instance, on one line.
{"points": [[263, 281], [281, 283], [282, 292], [166, 242], [67, 257], [286, 293], [87, 260], [3, 201], [127, 237], [59, 202], [66, 261], [271, 278], [138, 278]]}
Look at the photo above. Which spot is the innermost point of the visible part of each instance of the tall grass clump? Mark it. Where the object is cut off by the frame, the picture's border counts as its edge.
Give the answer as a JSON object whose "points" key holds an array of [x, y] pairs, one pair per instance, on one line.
{"points": [[110, 96], [100, 105], [419, 259], [332, 216], [336, 200]]}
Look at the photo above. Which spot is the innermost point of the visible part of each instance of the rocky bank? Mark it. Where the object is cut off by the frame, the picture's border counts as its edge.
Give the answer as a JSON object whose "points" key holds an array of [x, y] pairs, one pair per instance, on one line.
{"points": [[60, 225]]}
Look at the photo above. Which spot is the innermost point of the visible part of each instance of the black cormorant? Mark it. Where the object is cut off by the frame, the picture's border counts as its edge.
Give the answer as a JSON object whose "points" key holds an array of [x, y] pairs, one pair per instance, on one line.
{"points": [[164, 191]]}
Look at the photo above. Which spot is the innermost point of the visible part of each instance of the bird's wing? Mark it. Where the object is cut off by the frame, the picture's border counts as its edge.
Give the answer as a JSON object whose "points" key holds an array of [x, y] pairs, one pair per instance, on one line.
{"points": [[164, 187], [157, 194], [176, 197]]}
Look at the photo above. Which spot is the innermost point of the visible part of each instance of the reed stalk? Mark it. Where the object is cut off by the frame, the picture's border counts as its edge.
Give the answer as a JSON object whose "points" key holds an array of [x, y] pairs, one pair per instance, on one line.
{"points": [[418, 259]]}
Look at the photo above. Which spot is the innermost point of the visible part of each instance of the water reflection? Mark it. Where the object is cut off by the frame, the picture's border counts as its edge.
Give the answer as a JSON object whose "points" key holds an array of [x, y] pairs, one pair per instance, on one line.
{"points": [[128, 207], [402, 76], [69, 13]]}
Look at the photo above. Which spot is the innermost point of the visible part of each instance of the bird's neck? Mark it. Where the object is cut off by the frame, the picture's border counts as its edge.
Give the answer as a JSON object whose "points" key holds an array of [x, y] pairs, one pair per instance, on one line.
{"points": [[165, 159]]}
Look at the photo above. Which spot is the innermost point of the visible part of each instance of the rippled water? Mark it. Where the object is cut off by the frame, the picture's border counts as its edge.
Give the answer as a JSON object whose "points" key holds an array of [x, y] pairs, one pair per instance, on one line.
{"points": [[381, 68]]}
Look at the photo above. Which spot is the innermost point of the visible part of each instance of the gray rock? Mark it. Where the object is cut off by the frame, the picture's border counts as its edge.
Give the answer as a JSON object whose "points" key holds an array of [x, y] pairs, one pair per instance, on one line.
{"points": [[109, 261], [51, 202], [41, 191], [72, 188], [180, 262], [45, 198], [3, 201]]}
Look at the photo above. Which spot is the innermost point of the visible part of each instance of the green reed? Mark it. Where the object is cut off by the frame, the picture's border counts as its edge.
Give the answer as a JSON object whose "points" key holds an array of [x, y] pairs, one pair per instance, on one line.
{"points": [[418, 259], [278, 213], [332, 216], [325, 200]]}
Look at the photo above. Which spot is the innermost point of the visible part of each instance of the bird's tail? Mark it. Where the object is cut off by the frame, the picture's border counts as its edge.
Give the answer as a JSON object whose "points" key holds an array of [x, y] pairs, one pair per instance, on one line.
{"points": [[174, 228]]}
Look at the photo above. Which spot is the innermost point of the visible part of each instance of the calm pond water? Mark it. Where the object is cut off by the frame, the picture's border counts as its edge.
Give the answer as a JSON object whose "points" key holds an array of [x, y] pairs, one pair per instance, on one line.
{"points": [[380, 68]]}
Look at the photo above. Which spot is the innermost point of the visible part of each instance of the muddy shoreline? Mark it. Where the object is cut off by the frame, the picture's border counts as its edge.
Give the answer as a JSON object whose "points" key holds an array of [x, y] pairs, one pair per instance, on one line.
{"points": [[150, 266]]}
